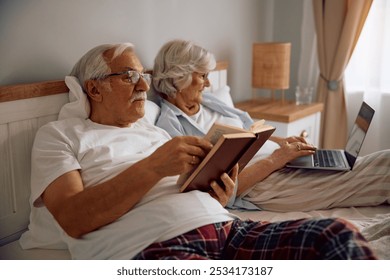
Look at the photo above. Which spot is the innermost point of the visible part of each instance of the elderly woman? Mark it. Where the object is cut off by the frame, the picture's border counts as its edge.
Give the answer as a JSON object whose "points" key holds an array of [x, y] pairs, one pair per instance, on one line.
{"points": [[180, 76]]}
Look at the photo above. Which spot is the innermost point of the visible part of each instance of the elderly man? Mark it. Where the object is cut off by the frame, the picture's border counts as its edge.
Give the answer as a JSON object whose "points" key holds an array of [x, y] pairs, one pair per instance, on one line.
{"points": [[106, 188]]}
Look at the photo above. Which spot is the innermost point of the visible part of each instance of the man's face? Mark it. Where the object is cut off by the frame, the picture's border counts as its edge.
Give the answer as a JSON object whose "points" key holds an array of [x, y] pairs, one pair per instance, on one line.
{"points": [[124, 103]]}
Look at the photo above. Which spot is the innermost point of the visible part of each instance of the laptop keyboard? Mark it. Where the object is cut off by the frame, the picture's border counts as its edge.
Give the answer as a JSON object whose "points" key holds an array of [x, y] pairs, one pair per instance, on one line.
{"points": [[326, 158]]}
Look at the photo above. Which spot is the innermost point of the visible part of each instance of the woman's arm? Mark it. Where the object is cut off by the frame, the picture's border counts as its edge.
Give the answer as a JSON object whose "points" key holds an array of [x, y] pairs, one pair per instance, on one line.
{"points": [[280, 141], [278, 159]]}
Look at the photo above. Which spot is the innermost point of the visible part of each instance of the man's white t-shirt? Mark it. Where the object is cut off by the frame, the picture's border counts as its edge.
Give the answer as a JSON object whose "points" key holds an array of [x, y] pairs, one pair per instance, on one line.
{"points": [[101, 152]]}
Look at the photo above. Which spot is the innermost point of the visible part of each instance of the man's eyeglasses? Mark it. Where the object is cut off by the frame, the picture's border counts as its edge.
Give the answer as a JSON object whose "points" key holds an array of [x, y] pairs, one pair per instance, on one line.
{"points": [[134, 76]]}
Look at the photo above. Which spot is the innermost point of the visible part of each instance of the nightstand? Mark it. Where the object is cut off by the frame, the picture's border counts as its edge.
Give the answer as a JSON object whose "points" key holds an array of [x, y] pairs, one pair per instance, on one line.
{"points": [[288, 118]]}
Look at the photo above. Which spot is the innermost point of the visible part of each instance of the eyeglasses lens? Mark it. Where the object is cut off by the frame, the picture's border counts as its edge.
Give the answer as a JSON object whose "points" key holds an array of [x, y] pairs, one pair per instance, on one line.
{"points": [[134, 77]]}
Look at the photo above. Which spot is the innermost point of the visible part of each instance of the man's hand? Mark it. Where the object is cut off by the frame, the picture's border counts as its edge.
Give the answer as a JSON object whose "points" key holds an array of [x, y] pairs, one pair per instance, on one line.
{"points": [[179, 155], [223, 194]]}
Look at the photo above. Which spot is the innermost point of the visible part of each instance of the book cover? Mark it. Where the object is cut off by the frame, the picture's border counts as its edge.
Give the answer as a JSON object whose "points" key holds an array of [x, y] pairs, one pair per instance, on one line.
{"points": [[232, 145]]}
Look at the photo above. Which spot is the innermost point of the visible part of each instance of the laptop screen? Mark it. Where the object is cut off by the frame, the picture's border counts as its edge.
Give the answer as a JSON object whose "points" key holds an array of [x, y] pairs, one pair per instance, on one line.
{"points": [[358, 132]]}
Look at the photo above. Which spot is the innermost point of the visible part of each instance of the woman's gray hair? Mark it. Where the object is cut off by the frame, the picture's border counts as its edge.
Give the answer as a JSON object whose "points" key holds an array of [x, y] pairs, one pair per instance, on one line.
{"points": [[93, 65], [175, 63]]}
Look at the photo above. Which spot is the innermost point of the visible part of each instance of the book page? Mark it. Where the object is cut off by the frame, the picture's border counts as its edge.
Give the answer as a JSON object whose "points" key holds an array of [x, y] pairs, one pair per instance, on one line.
{"points": [[257, 125], [218, 129], [260, 126]]}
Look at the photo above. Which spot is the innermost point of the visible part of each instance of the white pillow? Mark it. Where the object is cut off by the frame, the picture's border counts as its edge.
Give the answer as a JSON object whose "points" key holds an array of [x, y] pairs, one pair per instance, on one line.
{"points": [[78, 105], [152, 111], [223, 94]]}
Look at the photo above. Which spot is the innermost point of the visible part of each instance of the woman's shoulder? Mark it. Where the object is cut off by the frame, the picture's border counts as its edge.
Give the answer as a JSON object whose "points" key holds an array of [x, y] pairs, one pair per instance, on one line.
{"points": [[169, 110]]}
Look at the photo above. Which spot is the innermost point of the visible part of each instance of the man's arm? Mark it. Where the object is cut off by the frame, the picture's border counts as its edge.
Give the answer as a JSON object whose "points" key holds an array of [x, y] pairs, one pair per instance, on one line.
{"points": [[81, 210]]}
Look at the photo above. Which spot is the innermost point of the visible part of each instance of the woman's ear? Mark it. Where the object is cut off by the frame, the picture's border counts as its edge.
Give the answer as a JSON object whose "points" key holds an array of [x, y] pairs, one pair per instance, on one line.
{"points": [[93, 91]]}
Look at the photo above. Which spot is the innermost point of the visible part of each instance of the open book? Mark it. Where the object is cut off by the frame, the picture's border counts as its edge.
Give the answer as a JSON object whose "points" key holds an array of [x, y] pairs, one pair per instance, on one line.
{"points": [[232, 145]]}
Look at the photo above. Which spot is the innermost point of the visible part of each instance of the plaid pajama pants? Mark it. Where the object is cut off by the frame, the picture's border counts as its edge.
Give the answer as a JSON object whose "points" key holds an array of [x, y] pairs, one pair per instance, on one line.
{"points": [[299, 239]]}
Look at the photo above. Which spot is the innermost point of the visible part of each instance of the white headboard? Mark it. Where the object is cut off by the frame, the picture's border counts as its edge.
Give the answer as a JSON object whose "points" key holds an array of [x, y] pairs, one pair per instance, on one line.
{"points": [[23, 109]]}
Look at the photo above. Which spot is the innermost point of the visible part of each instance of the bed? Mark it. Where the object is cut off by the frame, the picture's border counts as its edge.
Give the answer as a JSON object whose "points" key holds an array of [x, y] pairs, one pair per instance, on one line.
{"points": [[26, 107]]}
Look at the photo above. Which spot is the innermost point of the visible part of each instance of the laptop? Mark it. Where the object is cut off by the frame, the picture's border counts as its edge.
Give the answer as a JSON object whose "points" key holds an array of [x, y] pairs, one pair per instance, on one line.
{"points": [[340, 160]]}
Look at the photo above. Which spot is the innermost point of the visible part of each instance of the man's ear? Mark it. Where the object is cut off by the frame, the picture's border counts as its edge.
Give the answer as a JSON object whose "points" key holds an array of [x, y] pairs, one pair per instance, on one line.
{"points": [[93, 91]]}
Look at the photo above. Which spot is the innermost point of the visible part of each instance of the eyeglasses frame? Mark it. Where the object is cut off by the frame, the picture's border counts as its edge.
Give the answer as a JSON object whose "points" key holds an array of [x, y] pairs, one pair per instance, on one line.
{"points": [[130, 76]]}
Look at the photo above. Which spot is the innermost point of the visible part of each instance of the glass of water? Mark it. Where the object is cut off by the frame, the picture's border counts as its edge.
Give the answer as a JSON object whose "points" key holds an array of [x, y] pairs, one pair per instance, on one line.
{"points": [[303, 95]]}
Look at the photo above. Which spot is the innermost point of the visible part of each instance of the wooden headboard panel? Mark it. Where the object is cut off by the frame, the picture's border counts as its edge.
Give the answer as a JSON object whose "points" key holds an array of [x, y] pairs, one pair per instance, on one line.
{"points": [[23, 109]]}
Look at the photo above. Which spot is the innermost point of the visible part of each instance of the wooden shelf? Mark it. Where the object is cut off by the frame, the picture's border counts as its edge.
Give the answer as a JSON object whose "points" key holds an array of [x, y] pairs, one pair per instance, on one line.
{"points": [[276, 110]]}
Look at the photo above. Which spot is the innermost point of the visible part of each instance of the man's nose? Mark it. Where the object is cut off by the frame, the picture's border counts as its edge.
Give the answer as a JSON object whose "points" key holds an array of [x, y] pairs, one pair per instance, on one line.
{"points": [[142, 85]]}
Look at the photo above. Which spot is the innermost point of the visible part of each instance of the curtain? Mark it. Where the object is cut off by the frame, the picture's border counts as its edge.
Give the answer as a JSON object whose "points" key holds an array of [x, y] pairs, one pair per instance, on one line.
{"points": [[367, 76], [308, 70], [338, 24]]}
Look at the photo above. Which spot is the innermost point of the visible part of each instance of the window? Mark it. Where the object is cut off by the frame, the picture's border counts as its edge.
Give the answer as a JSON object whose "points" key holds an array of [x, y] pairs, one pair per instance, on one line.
{"points": [[367, 76]]}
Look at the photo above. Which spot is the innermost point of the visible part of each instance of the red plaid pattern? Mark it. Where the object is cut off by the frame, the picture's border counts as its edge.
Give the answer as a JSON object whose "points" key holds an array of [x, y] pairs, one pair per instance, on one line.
{"points": [[300, 239]]}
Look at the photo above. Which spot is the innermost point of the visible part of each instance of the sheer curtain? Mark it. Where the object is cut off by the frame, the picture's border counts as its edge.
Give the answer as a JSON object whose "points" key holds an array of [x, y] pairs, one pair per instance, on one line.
{"points": [[308, 69], [367, 76]]}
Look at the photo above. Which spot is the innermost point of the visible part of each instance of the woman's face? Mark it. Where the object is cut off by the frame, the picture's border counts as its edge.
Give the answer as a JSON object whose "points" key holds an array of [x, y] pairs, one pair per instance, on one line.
{"points": [[189, 98]]}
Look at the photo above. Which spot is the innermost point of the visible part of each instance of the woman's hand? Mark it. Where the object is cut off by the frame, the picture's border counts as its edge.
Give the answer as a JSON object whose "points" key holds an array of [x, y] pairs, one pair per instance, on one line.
{"points": [[223, 194], [280, 141], [290, 151]]}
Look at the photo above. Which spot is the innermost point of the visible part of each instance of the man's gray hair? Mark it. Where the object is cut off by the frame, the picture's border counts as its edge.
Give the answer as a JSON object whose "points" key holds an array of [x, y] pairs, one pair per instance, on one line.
{"points": [[175, 63], [93, 64]]}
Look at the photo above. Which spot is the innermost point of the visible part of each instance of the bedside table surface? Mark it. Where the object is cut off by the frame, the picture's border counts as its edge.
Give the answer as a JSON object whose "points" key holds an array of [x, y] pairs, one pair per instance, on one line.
{"points": [[276, 110]]}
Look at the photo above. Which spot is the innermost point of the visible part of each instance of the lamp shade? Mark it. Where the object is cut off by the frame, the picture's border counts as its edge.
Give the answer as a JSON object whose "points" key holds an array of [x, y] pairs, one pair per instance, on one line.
{"points": [[271, 65]]}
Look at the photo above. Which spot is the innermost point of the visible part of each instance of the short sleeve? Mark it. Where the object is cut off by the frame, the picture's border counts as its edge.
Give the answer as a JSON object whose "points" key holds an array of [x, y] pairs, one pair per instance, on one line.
{"points": [[52, 156]]}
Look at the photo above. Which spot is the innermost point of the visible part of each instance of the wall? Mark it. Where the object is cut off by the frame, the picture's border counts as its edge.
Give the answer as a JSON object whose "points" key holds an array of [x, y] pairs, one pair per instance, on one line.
{"points": [[42, 39], [287, 28]]}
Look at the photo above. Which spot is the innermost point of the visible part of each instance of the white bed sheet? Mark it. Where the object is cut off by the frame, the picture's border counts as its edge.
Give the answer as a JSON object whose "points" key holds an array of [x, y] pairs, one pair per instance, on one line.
{"points": [[374, 222], [13, 251]]}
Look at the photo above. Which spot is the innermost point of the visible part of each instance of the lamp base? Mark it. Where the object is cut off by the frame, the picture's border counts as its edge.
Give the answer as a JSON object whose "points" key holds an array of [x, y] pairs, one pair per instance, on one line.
{"points": [[272, 96]]}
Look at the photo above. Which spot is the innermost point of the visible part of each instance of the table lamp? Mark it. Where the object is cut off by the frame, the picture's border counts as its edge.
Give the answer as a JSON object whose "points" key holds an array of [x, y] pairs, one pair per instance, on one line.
{"points": [[271, 67]]}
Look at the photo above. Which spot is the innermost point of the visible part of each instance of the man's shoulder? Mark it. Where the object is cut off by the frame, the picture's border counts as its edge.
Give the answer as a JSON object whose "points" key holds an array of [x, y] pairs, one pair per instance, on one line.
{"points": [[64, 123], [60, 127]]}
